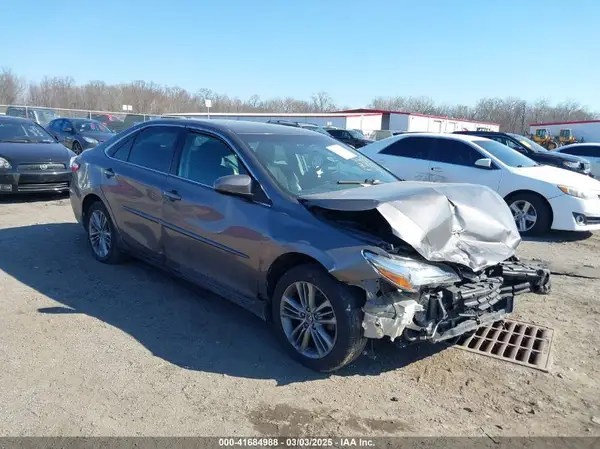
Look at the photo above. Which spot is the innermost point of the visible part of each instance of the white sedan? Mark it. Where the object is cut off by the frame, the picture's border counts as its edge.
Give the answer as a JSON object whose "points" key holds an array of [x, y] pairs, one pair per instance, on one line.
{"points": [[540, 197]]}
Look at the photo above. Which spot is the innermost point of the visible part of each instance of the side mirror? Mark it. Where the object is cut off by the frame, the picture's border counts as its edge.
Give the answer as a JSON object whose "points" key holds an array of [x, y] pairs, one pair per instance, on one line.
{"points": [[483, 163], [239, 185], [68, 130]]}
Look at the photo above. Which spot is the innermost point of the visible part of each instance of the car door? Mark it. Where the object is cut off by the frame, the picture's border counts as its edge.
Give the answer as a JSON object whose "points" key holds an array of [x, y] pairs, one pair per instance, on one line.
{"points": [[454, 161], [67, 133], [407, 158], [208, 236], [56, 129], [134, 178]]}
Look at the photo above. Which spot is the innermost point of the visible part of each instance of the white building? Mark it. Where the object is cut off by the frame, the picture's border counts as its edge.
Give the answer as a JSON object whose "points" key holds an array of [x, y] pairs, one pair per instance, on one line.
{"points": [[367, 120], [588, 130]]}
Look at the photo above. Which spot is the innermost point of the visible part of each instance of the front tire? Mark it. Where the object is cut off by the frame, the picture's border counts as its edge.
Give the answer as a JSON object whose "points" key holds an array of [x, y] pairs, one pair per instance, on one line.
{"points": [[318, 319], [531, 212], [102, 235]]}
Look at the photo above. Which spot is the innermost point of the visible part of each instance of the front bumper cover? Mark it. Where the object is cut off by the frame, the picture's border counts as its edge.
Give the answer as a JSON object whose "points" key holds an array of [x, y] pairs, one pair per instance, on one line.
{"points": [[454, 310]]}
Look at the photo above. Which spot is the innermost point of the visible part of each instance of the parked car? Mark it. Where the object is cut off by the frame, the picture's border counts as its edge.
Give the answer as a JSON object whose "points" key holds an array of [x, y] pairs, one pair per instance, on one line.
{"points": [[30, 159], [349, 137], [309, 126], [303, 231], [589, 151], [540, 197], [39, 115], [79, 134], [381, 134], [534, 151], [111, 121]]}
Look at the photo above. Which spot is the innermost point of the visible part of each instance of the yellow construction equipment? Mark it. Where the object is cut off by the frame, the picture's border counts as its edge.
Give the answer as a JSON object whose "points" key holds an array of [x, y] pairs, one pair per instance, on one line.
{"points": [[566, 137], [543, 137]]}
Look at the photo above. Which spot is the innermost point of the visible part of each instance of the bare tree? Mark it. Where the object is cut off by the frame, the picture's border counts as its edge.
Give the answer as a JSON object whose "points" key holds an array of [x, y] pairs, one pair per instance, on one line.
{"points": [[322, 102], [11, 87], [513, 114]]}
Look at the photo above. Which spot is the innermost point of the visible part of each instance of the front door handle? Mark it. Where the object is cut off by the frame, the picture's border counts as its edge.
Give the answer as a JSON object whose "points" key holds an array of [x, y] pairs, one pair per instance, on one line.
{"points": [[108, 172], [172, 195], [436, 168]]}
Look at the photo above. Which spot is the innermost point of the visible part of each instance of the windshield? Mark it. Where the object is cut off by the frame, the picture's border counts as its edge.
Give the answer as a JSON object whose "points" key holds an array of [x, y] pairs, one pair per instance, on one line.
{"points": [[302, 165], [45, 115], [23, 132], [356, 134], [528, 143], [83, 126], [316, 129], [508, 156]]}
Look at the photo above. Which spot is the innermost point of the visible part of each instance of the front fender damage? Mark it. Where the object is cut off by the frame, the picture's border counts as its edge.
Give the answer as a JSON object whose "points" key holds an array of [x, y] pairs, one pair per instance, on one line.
{"points": [[447, 312], [467, 228]]}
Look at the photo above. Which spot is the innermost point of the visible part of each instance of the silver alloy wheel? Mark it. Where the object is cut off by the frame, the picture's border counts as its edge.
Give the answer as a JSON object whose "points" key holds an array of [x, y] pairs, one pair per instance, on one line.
{"points": [[308, 320], [99, 233], [524, 214]]}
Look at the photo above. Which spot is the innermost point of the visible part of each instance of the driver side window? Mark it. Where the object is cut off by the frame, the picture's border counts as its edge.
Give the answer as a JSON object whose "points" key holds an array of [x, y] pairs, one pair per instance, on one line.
{"points": [[204, 159], [456, 153]]}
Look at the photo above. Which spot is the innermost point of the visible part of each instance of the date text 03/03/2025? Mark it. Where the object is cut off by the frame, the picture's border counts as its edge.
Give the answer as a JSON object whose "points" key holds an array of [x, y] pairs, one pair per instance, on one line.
{"points": [[295, 442]]}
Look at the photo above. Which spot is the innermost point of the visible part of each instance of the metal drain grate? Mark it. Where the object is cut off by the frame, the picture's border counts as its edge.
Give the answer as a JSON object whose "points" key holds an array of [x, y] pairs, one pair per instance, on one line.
{"points": [[513, 341]]}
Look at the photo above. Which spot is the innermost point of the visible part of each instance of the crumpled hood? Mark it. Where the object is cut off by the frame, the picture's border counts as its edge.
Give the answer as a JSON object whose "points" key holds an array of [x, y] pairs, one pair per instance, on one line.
{"points": [[466, 224]]}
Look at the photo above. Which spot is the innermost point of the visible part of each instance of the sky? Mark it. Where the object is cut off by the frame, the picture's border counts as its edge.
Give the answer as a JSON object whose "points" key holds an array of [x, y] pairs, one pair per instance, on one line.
{"points": [[454, 51]]}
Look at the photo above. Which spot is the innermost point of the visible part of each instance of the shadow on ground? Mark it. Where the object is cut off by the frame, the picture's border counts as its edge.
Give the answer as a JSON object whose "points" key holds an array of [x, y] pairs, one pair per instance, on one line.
{"points": [[176, 321], [32, 198], [559, 237]]}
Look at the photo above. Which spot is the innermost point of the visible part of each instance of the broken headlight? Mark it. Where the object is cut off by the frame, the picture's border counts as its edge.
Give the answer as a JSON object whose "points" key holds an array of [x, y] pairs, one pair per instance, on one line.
{"points": [[409, 274]]}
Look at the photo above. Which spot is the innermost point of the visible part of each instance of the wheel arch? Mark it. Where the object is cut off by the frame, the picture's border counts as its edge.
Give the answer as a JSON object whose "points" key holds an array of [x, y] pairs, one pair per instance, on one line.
{"points": [[511, 195], [87, 202], [284, 263]]}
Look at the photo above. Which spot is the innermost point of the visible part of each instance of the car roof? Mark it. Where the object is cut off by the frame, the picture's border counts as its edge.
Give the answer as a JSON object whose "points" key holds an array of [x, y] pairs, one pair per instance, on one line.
{"points": [[451, 136], [10, 118], [239, 126], [580, 144], [466, 133]]}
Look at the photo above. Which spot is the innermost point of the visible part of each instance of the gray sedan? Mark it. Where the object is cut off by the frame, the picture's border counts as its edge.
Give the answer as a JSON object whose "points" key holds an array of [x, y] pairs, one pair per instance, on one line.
{"points": [[305, 232]]}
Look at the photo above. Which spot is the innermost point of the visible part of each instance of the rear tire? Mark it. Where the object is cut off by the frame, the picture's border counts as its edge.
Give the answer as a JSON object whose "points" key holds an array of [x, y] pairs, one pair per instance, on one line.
{"points": [[319, 344], [523, 205], [77, 149], [102, 235]]}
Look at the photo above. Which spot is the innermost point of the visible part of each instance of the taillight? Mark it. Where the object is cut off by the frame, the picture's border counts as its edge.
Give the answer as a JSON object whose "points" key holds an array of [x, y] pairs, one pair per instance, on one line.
{"points": [[74, 165]]}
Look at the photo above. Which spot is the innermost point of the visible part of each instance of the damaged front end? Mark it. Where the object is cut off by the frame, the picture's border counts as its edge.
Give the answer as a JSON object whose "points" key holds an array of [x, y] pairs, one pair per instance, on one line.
{"points": [[443, 302], [444, 255]]}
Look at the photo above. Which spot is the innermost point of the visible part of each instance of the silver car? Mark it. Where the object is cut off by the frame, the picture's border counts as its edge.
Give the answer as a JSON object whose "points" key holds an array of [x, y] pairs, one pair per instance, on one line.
{"points": [[305, 232]]}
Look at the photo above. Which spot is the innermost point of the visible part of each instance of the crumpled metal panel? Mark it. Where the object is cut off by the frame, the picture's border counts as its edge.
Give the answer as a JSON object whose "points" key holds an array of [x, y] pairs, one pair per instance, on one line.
{"points": [[466, 224]]}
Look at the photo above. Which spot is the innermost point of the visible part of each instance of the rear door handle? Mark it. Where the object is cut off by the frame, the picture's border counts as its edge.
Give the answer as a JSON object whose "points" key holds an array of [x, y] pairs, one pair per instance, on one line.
{"points": [[172, 195], [108, 172], [436, 168]]}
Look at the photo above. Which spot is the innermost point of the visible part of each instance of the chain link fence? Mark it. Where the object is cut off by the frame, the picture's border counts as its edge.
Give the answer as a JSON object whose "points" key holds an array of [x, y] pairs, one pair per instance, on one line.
{"points": [[116, 121]]}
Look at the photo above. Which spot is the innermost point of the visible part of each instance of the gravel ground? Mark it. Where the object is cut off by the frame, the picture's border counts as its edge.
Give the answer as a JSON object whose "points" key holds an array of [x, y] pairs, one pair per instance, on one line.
{"points": [[90, 349]]}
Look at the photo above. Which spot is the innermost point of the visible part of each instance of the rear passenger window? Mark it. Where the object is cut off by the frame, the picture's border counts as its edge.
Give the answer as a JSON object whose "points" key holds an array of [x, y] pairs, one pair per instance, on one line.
{"points": [[414, 147], [122, 150], [583, 151], [454, 152], [154, 147]]}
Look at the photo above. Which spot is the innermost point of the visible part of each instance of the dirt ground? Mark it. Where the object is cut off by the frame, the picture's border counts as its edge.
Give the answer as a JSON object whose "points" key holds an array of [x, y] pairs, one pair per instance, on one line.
{"points": [[97, 350]]}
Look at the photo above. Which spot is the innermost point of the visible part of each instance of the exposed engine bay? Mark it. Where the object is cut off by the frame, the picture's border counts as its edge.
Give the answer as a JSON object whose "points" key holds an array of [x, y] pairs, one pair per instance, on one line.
{"points": [[444, 312], [445, 254]]}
